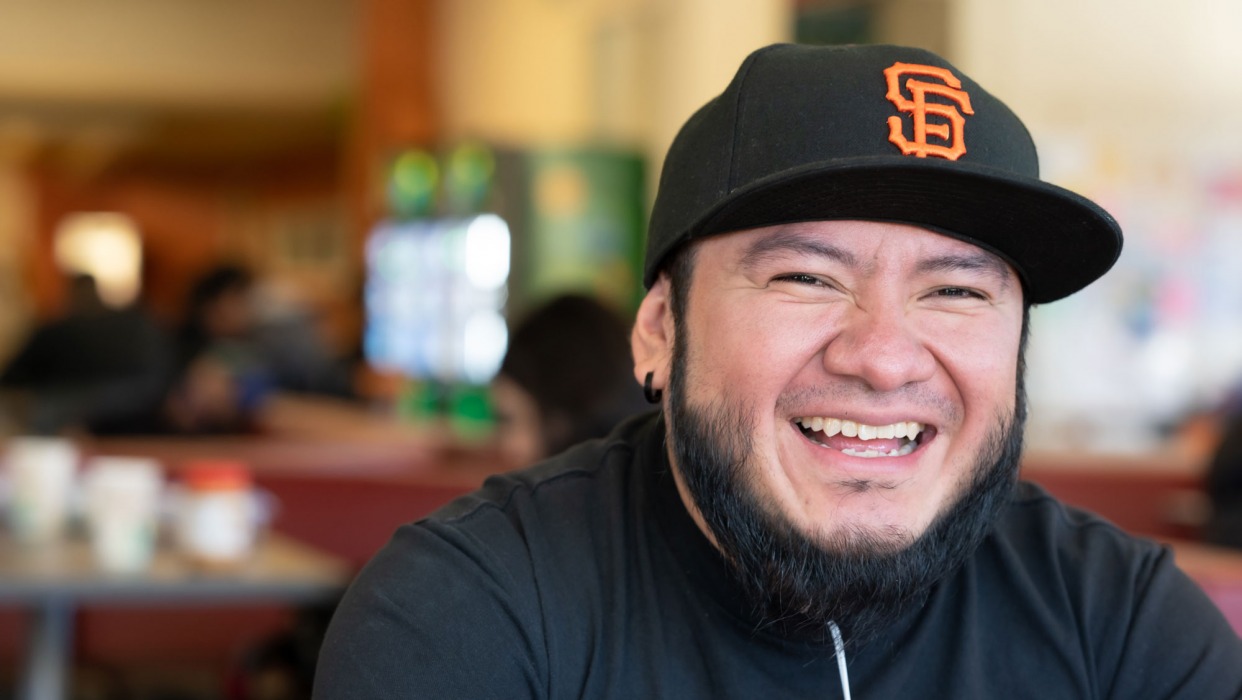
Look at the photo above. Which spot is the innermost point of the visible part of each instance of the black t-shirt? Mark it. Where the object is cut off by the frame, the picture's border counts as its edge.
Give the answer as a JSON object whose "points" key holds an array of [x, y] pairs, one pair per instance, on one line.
{"points": [[585, 577]]}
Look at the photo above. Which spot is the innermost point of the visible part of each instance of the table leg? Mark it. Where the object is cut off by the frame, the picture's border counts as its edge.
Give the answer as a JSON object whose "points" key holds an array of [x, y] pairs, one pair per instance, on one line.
{"points": [[46, 674]]}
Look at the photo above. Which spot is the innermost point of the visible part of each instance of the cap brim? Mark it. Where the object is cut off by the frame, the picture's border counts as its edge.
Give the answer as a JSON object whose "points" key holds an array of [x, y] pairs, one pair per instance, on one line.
{"points": [[1058, 241]]}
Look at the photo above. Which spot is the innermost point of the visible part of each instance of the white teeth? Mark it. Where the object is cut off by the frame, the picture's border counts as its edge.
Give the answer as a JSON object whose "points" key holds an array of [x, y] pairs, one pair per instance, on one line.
{"points": [[899, 452], [832, 426]]}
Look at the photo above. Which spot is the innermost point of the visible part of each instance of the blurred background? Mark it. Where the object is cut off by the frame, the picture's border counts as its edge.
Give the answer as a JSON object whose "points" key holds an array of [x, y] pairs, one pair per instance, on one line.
{"points": [[146, 142], [284, 223], [320, 142]]}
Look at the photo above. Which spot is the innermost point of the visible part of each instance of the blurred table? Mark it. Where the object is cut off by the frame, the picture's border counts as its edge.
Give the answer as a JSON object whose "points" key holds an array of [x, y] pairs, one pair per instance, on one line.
{"points": [[317, 436], [52, 581]]}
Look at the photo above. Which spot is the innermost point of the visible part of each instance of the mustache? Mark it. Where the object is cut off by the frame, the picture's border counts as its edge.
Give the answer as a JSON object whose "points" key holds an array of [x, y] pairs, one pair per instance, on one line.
{"points": [[850, 392]]}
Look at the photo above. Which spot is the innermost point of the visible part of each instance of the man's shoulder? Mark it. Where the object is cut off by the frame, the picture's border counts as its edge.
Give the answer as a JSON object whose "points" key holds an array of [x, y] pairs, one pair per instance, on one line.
{"points": [[1053, 538], [1052, 571], [1051, 568], [592, 470]]}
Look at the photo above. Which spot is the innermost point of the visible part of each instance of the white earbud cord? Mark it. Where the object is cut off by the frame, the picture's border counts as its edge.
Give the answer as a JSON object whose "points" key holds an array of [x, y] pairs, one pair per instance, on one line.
{"points": [[842, 670]]}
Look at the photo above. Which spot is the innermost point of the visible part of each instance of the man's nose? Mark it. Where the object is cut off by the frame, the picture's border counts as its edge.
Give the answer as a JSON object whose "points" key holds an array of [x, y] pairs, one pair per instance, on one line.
{"points": [[881, 348]]}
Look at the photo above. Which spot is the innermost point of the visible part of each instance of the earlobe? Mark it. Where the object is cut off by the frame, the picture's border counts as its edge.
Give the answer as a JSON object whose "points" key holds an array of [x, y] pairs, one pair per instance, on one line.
{"points": [[652, 338]]}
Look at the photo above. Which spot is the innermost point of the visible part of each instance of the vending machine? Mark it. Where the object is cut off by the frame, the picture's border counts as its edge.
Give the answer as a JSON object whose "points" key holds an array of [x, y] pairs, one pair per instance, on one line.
{"points": [[475, 237]]}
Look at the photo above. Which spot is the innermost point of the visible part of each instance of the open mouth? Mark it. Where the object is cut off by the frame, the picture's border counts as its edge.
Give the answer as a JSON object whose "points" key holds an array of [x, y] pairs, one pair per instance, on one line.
{"points": [[862, 440]]}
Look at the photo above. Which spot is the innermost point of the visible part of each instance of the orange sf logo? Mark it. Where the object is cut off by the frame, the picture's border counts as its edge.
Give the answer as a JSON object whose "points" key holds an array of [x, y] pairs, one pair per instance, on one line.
{"points": [[919, 108]]}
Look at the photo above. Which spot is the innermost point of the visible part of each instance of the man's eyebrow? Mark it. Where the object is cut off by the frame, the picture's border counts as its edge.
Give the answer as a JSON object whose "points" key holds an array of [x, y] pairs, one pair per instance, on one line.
{"points": [[980, 261], [784, 242], [794, 242]]}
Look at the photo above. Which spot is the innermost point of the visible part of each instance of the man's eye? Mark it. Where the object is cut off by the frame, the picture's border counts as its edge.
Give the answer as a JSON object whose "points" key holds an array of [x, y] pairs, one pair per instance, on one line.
{"points": [[958, 293], [800, 278]]}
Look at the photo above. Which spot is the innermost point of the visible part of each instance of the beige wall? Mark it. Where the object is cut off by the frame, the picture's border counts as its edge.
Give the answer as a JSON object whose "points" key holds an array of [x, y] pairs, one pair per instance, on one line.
{"points": [[180, 51], [526, 72], [1120, 65], [515, 71], [696, 47]]}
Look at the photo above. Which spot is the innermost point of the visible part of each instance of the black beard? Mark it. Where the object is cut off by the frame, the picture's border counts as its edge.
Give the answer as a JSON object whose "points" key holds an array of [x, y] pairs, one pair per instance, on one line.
{"points": [[860, 581]]}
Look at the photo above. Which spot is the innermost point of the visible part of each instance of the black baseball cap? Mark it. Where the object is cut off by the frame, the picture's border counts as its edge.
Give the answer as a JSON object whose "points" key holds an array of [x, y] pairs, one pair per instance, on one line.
{"points": [[879, 133]]}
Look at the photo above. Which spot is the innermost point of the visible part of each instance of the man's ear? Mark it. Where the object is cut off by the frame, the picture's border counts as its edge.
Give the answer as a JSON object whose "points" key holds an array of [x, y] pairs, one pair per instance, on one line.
{"points": [[652, 338]]}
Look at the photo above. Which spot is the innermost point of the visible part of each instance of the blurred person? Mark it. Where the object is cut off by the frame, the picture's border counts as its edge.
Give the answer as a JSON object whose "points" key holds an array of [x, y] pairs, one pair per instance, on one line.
{"points": [[221, 378], [94, 368], [240, 341], [565, 378], [288, 334], [1223, 484], [841, 259]]}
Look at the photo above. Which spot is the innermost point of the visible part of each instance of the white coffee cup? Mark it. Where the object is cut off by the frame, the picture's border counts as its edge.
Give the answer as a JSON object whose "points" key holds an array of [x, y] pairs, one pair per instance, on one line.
{"points": [[122, 505], [41, 472]]}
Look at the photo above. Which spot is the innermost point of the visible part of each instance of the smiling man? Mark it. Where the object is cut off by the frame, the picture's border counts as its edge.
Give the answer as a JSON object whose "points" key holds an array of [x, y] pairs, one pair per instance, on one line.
{"points": [[841, 260], [838, 388]]}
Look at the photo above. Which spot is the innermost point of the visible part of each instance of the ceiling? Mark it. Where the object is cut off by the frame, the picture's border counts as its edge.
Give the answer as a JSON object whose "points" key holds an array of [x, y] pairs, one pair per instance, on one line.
{"points": [[173, 80]]}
